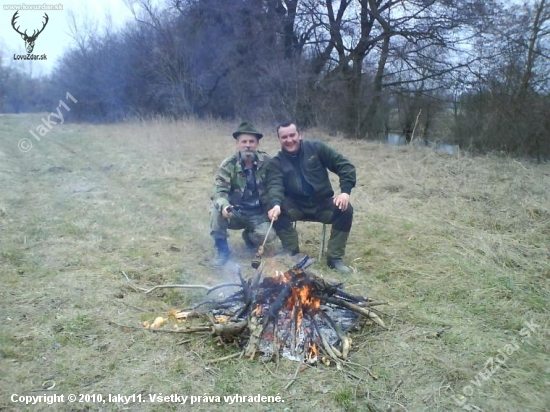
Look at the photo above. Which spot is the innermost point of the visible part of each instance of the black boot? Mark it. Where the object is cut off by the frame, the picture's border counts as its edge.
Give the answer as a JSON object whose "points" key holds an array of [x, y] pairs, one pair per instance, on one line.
{"points": [[222, 253]]}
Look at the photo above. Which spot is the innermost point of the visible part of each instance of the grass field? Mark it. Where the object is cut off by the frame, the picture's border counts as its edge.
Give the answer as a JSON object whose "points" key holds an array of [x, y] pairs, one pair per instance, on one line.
{"points": [[459, 246]]}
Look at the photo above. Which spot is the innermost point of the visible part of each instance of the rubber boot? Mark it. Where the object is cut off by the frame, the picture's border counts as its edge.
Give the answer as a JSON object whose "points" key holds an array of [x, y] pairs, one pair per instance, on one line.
{"points": [[338, 265], [336, 250], [222, 253]]}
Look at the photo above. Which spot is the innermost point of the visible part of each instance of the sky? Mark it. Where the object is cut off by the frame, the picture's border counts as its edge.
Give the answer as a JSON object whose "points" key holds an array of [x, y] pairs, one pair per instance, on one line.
{"points": [[56, 38]]}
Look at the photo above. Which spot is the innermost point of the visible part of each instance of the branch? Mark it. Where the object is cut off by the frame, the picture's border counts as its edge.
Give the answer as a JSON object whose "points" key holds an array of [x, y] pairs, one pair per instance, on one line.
{"points": [[208, 289], [357, 309], [224, 358], [188, 330]]}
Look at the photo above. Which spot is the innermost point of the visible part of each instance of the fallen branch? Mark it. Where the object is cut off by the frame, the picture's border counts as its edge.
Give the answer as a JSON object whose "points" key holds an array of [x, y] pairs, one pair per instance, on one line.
{"points": [[371, 303], [371, 374], [209, 289], [396, 387], [326, 345], [224, 358], [126, 276], [147, 291], [256, 329], [294, 378], [129, 281], [229, 328], [195, 329], [357, 309], [345, 341]]}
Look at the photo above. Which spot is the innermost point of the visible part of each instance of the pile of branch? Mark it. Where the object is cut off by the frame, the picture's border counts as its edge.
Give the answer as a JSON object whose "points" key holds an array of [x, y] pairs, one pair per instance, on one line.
{"points": [[294, 313]]}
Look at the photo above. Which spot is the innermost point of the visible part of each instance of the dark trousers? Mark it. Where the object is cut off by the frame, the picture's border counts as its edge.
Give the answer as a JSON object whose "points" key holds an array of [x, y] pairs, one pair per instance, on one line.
{"points": [[323, 211]]}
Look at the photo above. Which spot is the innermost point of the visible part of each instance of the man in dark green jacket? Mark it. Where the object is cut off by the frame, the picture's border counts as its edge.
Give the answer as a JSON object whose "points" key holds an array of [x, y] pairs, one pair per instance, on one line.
{"points": [[298, 188], [239, 198]]}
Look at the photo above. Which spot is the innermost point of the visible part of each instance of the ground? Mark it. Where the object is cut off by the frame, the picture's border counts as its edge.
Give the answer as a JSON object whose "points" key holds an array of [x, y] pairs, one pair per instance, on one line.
{"points": [[458, 245]]}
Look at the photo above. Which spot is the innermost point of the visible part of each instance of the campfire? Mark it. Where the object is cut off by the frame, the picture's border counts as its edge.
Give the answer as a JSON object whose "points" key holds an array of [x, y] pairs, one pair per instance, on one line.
{"points": [[293, 314]]}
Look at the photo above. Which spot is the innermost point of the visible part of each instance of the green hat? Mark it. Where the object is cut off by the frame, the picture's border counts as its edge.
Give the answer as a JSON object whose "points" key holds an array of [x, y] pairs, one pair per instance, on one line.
{"points": [[247, 128]]}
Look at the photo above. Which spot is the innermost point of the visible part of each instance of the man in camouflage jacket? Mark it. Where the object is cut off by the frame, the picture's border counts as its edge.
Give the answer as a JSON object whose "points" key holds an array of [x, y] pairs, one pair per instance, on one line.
{"points": [[240, 195], [299, 189]]}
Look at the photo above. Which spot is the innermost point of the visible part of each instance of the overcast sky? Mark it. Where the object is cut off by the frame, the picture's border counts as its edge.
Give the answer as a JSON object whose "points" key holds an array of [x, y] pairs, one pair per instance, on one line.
{"points": [[55, 38]]}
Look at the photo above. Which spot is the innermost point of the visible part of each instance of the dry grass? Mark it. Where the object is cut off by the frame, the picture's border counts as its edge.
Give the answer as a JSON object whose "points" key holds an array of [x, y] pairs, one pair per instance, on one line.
{"points": [[458, 245]]}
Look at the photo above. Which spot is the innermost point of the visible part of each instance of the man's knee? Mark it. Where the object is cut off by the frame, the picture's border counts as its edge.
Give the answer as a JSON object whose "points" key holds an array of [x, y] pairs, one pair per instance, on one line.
{"points": [[342, 219], [271, 236], [349, 212], [259, 237], [283, 222], [218, 226], [262, 232]]}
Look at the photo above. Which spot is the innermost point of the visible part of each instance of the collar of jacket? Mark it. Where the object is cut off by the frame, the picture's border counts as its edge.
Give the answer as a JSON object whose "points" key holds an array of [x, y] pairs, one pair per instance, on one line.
{"points": [[297, 154]]}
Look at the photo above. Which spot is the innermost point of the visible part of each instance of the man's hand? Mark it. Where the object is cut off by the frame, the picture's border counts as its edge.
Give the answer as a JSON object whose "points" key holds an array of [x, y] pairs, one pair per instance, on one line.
{"points": [[227, 212], [341, 201], [274, 212]]}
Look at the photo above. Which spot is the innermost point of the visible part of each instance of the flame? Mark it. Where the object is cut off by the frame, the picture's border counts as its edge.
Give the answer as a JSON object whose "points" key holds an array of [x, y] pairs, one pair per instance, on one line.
{"points": [[313, 351], [307, 300], [257, 310], [294, 313], [303, 297], [222, 318], [285, 277], [301, 301]]}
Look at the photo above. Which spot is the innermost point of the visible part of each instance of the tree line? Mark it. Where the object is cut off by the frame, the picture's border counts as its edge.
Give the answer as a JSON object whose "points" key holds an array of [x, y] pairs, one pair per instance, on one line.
{"points": [[473, 72]]}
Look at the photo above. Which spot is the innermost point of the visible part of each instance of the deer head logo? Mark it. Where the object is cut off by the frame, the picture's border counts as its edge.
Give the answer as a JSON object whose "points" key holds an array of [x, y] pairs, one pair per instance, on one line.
{"points": [[29, 40]]}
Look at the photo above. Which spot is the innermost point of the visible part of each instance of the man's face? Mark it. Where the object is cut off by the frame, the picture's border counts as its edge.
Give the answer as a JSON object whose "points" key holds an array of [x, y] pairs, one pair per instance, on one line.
{"points": [[247, 145], [289, 138]]}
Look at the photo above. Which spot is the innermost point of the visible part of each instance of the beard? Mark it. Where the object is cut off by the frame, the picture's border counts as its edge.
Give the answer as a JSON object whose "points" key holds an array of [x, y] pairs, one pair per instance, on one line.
{"points": [[247, 154]]}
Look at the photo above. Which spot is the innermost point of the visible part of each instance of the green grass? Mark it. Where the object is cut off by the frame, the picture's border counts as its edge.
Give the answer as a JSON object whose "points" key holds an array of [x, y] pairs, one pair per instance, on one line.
{"points": [[457, 245]]}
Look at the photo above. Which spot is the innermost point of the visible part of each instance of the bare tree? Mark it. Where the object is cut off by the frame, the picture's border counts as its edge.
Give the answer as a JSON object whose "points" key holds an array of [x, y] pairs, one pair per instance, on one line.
{"points": [[348, 35], [507, 111]]}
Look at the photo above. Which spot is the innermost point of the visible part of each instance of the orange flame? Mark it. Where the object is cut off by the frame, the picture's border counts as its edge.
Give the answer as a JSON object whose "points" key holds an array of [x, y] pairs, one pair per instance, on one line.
{"points": [[257, 310], [302, 297], [313, 351], [307, 300]]}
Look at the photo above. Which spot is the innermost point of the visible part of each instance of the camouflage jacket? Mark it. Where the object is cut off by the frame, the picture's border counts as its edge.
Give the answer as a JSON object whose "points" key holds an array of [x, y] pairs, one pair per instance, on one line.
{"points": [[231, 181]]}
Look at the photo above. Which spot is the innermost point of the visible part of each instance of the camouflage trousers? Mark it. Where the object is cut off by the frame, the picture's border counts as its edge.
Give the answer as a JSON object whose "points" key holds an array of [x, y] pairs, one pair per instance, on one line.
{"points": [[255, 226], [324, 212]]}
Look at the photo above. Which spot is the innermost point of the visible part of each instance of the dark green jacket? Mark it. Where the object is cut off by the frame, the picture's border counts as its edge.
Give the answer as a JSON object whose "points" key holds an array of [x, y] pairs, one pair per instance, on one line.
{"points": [[283, 180], [231, 181]]}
